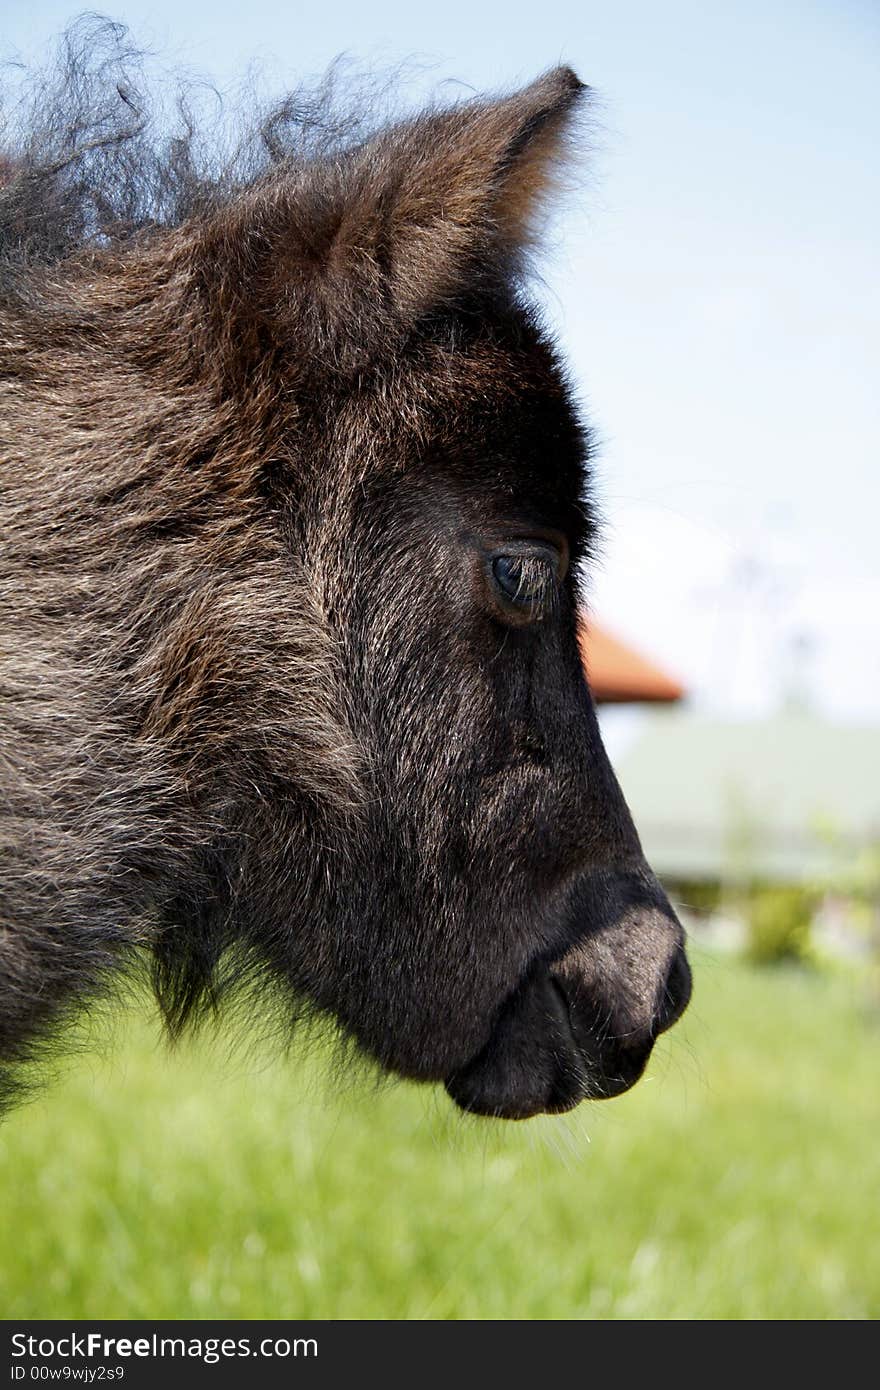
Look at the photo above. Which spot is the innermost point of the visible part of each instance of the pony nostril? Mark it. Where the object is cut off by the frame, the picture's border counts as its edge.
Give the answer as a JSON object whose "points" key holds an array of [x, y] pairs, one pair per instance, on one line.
{"points": [[675, 995]]}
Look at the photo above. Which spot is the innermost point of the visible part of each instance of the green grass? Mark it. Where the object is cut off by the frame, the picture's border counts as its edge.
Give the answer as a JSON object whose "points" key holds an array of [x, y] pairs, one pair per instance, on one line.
{"points": [[741, 1179]]}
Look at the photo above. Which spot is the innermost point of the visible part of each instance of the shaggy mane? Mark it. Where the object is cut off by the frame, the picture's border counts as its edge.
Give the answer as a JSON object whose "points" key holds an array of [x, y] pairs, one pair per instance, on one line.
{"points": [[99, 146]]}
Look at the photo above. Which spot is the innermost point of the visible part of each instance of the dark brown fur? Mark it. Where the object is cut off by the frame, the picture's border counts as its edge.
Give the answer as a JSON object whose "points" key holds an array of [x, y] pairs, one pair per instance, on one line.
{"points": [[265, 718]]}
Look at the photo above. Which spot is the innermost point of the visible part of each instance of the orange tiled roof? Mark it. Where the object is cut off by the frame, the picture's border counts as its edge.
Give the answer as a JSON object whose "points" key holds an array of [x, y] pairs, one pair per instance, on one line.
{"points": [[618, 674]]}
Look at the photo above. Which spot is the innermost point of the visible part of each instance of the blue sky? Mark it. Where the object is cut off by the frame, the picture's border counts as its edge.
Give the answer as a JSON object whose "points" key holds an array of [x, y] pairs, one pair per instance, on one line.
{"points": [[714, 284]]}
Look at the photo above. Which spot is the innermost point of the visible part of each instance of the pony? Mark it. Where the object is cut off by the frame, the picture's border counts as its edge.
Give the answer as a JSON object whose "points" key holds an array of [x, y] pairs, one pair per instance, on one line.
{"points": [[296, 507]]}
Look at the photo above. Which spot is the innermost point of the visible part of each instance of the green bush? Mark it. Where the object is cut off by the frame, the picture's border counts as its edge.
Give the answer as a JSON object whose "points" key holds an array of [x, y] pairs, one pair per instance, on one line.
{"points": [[701, 897], [778, 918]]}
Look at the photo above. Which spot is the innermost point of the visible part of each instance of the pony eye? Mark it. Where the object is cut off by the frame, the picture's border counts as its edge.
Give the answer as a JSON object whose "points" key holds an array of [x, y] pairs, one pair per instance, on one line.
{"points": [[526, 579], [512, 576]]}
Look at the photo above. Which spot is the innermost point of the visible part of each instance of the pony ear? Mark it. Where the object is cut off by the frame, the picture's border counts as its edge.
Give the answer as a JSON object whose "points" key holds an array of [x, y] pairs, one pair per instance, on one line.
{"points": [[348, 251], [455, 191]]}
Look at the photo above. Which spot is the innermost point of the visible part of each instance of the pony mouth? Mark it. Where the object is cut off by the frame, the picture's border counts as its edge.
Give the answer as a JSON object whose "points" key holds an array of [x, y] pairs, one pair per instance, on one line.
{"points": [[553, 1045], [536, 1063]]}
